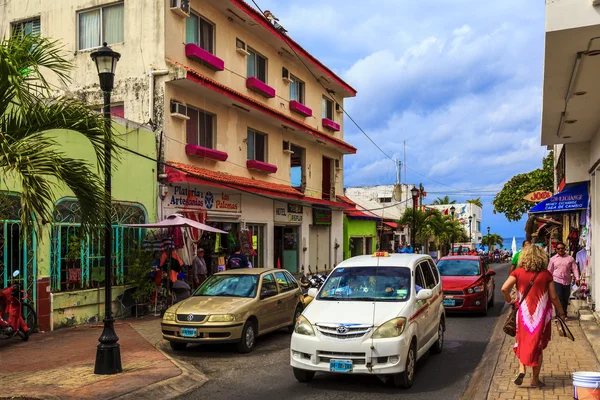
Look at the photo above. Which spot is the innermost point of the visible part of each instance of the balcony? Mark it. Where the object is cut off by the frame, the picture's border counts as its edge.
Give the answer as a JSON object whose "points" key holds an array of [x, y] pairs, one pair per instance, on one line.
{"points": [[261, 166], [205, 152], [196, 53], [300, 108], [260, 87], [329, 124]]}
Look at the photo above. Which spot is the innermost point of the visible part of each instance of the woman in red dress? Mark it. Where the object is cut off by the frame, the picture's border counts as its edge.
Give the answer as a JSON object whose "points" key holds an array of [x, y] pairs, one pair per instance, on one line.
{"points": [[534, 315]]}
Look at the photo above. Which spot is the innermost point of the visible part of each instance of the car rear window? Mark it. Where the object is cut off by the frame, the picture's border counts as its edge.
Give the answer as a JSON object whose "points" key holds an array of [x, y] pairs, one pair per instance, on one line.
{"points": [[367, 284], [458, 267]]}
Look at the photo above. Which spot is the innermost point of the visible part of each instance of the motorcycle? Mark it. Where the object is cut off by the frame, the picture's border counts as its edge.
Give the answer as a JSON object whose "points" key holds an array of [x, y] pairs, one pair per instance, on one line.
{"points": [[13, 309]]}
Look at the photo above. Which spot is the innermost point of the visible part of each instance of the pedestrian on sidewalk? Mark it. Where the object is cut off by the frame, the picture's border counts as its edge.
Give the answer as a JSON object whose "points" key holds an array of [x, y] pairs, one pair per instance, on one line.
{"points": [[238, 259], [514, 264], [560, 267], [199, 270], [534, 315], [181, 288]]}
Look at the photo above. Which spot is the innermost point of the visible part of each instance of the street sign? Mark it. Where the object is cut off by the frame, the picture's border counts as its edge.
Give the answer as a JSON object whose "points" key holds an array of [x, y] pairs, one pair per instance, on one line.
{"points": [[538, 196]]}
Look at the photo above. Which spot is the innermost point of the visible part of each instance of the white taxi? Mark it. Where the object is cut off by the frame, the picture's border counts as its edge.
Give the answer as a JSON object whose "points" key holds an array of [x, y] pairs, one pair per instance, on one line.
{"points": [[374, 315]]}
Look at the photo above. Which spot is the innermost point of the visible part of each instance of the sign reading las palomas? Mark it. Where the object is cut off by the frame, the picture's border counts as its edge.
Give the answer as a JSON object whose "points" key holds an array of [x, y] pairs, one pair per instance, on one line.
{"points": [[538, 196]]}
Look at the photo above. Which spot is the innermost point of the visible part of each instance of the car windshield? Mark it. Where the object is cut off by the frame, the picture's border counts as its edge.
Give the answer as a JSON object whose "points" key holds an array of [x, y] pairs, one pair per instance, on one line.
{"points": [[458, 267], [229, 286], [367, 284]]}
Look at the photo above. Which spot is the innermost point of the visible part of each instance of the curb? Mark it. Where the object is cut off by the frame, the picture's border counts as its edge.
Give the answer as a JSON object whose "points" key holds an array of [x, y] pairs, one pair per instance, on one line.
{"points": [[591, 330], [480, 382], [188, 380]]}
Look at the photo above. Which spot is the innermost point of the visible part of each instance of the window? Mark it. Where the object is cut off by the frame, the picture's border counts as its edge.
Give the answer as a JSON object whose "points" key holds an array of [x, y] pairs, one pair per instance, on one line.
{"points": [[478, 226], [296, 89], [103, 24], [200, 128], [297, 170], [29, 27], [428, 275], [268, 283], [257, 146], [257, 232], [435, 271], [356, 246], [200, 32], [291, 280], [327, 108], [385, 199], [419, 280], [257, 66], [284, 285], [459, 268]]}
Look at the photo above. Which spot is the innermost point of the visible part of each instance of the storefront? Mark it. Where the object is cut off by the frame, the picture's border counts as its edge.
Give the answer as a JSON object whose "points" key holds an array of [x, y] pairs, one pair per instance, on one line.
{"points": [[320, 238], [288, 220]]}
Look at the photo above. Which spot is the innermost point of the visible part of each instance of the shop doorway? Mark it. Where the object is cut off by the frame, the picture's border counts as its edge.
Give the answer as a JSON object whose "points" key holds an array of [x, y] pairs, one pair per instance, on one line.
{"points": [[319, 246], [286, 247]]}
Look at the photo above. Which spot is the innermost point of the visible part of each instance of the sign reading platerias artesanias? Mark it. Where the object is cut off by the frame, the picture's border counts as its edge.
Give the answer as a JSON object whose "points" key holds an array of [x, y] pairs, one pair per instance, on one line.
{"points": [[194, 198], [573, 197]]}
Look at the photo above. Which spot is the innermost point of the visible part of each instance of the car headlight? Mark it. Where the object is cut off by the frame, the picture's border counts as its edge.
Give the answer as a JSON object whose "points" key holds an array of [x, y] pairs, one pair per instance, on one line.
{"points": [[221, 318], [475, 289], [303, 327], [169, 316], [390, 329]]}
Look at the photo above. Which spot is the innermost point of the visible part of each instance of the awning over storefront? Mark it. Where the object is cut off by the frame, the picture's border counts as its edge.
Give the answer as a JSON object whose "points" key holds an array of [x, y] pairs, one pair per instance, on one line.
{"points": [[392, 224], [573, 197]]}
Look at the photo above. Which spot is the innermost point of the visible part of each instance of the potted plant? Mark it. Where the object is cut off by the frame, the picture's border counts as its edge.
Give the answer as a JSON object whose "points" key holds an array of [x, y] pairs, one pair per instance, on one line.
{"points": [[138, 276]]}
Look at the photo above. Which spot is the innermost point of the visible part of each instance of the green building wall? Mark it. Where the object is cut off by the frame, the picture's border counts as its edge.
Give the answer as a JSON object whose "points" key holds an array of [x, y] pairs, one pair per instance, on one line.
{"points": [[358, 228]]}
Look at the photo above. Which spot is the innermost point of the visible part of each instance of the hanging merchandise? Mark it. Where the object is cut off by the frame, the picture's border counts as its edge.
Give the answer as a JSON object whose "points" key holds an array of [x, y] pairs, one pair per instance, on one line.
{"points": [[573, 239], [217, 243], [221, 264], [230, 242], [246, 243], [252, 245], [194, 233]]}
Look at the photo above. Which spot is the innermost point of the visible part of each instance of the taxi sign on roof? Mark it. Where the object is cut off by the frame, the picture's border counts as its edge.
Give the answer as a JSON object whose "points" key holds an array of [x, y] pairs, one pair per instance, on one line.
{"points": [[381, 254]]}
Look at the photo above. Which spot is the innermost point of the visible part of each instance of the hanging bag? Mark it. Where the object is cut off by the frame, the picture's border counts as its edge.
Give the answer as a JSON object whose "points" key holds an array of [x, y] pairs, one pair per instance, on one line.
{"points": [[510, 326]]}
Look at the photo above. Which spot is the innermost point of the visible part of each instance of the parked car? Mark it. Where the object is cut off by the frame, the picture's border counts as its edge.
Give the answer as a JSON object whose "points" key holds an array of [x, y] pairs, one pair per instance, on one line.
{"points": [[235, 306], [468, 283], [371, 317]]}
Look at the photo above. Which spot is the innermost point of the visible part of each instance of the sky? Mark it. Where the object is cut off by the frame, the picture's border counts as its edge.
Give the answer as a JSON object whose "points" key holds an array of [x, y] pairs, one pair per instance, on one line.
{"points": [[459, 81]]}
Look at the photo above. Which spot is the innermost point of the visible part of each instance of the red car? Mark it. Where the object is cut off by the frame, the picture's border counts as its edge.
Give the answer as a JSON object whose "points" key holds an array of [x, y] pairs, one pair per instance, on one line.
{"points": [[467, 282]]}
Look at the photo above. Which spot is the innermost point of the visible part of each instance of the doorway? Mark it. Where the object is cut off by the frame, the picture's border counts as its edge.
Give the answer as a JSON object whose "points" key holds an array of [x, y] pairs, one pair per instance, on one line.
{"points": [[286, 248]]}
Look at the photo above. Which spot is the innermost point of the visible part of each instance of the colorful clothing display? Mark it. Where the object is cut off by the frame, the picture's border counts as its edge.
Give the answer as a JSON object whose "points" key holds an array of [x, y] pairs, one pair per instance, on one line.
{"points": [[534, 316]]}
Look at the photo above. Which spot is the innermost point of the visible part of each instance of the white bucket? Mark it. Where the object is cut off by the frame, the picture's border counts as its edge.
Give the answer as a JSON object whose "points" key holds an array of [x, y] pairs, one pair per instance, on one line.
{"points": [[586, 385]]}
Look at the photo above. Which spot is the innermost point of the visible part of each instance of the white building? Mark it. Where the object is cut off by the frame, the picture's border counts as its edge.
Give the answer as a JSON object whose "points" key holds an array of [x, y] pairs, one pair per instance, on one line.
{"points": [[570, 117], [462, 212]]}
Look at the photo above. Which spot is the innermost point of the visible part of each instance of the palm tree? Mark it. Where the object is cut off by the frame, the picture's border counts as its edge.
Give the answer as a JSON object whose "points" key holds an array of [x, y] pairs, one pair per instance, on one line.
{"points": [[432, 226], [443, 200], [476, 202], [32, 123], [491, 240]]}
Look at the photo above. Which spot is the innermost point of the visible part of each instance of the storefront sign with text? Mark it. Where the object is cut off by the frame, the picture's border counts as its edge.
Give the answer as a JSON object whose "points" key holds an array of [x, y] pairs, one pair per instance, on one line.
{"points": [[192, 198], [321, 216], [287, 213], [538, 196]]}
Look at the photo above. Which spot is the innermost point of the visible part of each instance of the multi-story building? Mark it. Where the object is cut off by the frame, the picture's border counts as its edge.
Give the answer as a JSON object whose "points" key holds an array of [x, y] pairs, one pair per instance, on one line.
{"points": [[248, 124], [570, 127], [469, 215]]}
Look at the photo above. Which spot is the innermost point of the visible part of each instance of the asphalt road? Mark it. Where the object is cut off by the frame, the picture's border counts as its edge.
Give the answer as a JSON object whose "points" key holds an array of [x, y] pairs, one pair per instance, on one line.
{"points": [[266, 374]]}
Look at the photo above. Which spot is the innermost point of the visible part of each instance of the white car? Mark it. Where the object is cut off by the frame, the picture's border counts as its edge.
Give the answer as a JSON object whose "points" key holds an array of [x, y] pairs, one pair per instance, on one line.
{"points": [[374, 315]]}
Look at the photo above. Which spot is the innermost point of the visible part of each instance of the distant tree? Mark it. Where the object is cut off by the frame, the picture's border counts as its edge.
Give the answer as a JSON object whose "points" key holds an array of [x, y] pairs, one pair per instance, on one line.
{"points": [[492, 240], [476, 202], [443, 200], [510, 200], [432, 226]]}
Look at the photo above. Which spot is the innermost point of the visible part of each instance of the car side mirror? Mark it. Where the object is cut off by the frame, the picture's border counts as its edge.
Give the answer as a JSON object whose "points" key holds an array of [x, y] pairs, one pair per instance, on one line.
{"points": [[313, 292], [490, 273], [424, 294], [267, 293]]}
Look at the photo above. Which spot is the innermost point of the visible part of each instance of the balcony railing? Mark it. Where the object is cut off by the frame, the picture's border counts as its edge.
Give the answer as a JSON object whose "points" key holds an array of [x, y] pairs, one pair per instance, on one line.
{"points": [[205, 152], [260, 87], [197, 53]]}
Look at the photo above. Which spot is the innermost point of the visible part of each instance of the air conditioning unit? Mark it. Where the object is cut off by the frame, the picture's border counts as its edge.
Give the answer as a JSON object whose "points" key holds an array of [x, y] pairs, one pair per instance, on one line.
{"points": [[179, 110], [338, 165], [240, 47], [181, 7], [338, 108], [285, 74], [287, 147]]}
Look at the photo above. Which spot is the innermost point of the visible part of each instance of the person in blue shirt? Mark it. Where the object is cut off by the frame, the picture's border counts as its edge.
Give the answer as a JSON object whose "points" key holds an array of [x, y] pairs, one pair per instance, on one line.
{"points": [[401, 249], [409, 249]]}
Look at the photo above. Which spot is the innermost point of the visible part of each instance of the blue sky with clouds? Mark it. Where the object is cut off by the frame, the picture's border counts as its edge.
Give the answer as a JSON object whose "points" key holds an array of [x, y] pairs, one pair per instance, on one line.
{"points": [[460, 81]]}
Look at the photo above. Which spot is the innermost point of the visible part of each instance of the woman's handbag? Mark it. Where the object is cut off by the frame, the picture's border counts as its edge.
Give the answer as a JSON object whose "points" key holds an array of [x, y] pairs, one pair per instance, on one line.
{"points": [[510, 326], [563, 329]]}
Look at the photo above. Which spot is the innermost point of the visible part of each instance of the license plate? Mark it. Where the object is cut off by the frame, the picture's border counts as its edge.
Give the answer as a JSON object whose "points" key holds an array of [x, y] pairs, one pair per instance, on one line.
{"points": [[449, 302], [340, 365], [189, 332]]}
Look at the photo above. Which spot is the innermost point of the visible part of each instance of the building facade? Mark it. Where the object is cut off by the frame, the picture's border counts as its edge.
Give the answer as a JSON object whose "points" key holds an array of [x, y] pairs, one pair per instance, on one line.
{"points": [[570, 124], [248, 125]]}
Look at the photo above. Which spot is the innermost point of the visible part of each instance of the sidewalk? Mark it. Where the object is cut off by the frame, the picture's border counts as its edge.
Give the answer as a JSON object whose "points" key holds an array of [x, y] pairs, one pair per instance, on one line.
{"points": [[60, 364], [561, 358]]}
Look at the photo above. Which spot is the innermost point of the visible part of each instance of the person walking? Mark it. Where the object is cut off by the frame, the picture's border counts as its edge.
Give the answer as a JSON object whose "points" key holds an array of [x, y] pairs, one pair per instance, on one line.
{"points": [[515, 259], [560, 267], [199, 270], [237, 259], [534, 315]]}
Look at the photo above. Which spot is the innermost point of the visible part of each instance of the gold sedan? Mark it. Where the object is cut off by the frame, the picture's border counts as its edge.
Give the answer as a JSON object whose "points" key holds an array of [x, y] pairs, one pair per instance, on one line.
{"points": [[235, 306]]}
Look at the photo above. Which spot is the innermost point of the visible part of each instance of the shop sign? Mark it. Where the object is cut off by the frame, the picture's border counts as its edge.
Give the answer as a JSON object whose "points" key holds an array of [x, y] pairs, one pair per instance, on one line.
{"points": [[538, 196], [192, 198], [288, 213], [573, 197], [321, 216]]}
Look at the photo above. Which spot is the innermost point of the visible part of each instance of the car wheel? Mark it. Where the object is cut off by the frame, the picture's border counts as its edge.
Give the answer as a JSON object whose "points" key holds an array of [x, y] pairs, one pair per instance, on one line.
{"points": [[484, 312], [405, 379], [177, 346], [493, 299], [439, 344], [303, 375], [297, 314], [248, 338]]}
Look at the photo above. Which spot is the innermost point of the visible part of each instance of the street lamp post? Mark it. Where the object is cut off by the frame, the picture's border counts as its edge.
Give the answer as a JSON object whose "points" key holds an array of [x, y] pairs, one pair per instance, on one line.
{"points": [[471, 229], [488, 239], [414, 192], [452, 211], [108, 354]]}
